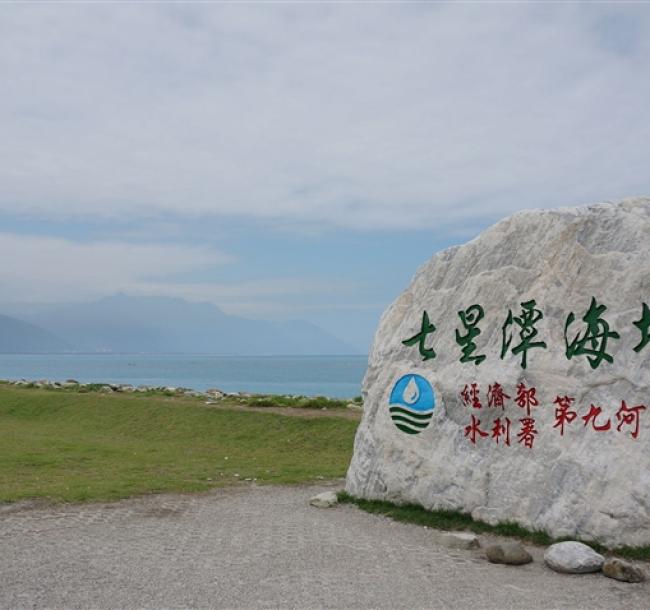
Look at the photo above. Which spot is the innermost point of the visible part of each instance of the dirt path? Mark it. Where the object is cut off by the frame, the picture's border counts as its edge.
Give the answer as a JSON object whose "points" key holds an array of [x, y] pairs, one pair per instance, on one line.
{"points": [[263, 547]]}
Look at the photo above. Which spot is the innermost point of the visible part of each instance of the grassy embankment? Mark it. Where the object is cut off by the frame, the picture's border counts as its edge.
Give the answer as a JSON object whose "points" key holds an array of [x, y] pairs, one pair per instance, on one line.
{"points": [[71, 446]]}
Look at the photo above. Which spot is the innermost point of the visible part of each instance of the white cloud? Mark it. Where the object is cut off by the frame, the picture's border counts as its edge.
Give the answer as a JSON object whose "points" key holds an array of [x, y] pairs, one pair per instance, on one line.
{"points": [[358, 115], [47, 269], [232, 296]]}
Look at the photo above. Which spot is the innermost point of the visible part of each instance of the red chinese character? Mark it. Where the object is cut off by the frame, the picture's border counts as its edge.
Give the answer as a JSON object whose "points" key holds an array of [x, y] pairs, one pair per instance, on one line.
{"points": [[470, 395], [465, 396], [527, 433], [629, 415], [501, 429], [473, 429], [594, 412], [526, 398], [496, 396], [562, 414]]}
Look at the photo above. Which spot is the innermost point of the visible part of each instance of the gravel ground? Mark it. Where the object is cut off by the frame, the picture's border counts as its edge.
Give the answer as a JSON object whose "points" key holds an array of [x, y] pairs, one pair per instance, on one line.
{"points": [[263, 547]]}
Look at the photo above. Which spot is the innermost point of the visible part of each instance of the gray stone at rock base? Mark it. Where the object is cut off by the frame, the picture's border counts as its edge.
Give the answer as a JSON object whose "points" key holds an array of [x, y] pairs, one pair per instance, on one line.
{"points": [[623, 570], [511, 553], [215, 393], [573, 558], [586, 484], [456, 540], [326, 499]]}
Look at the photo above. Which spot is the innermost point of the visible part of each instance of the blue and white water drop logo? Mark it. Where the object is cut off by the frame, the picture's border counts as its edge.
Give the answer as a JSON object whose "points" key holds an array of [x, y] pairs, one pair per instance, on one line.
{"points": [[411, 403]]}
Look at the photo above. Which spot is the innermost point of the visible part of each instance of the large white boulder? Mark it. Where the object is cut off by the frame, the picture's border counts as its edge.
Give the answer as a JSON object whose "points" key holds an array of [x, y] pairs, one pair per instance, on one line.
{"points": [[572, 276]]}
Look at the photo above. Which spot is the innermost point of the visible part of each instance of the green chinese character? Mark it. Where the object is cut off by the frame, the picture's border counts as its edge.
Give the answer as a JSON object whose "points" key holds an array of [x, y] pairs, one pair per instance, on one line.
{"points": [[470, 318], [426, 329], [527, 331], [644, 326], [593, 342]]}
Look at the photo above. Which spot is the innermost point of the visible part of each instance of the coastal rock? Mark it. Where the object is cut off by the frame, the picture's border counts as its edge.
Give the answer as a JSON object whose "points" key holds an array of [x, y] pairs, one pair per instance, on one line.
{"points": [[573, 558], [510, 553], [623, 570], [326, 499], [541, 431]]}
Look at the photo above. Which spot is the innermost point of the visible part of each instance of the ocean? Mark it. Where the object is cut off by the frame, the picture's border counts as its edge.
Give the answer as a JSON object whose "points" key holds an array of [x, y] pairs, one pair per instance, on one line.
{"points": [[332, 376]]}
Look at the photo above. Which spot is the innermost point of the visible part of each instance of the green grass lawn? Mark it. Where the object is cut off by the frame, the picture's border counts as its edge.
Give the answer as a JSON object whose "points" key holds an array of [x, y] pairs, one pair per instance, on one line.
{"points": [[71, 446]]}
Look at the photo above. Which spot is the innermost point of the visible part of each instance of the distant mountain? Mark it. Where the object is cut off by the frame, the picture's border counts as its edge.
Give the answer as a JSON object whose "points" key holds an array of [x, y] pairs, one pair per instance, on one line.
{"points": [[124, 323], [18, 337]]}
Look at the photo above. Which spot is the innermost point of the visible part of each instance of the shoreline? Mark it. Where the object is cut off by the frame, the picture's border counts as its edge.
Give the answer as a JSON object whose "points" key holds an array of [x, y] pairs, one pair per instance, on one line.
{"points": [[211, 395], [332, 376]]}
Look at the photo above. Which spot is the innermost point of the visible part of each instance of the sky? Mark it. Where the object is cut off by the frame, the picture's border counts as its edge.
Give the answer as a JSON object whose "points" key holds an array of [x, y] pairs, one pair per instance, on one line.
{"points": [[300, 160]]}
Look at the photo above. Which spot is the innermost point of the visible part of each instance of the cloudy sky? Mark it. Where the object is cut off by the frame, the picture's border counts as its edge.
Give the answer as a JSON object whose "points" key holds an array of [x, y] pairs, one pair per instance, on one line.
{"points": [[300, 160]]}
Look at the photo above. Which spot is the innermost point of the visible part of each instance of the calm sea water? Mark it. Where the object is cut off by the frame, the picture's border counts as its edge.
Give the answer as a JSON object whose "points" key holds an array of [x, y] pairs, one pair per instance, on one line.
{"points": [[333, 376]]}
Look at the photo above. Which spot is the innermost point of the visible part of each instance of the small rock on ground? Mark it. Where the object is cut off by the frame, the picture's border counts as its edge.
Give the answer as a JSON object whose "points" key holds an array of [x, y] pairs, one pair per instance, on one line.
{"points": [[510, 553], [326, 499], [573, 558], [457, 540], [623, 570]]}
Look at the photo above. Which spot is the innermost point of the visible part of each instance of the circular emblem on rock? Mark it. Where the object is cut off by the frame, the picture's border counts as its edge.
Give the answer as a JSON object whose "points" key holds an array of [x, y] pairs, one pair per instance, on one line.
{"points": [[411, 403]]}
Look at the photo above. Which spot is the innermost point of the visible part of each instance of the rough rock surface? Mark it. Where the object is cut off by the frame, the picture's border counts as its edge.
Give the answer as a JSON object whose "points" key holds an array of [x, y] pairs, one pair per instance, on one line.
{"points": [[511, 553], [623, 570], [573, 558], [584, 483]]}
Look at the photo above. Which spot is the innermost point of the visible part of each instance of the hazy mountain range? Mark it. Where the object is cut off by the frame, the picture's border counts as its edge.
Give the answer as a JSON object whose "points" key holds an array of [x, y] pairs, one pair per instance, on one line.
{"points": [[129, 324]]}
